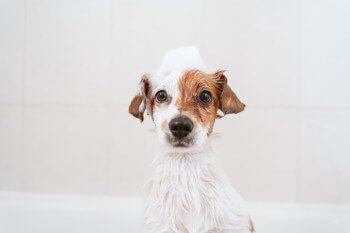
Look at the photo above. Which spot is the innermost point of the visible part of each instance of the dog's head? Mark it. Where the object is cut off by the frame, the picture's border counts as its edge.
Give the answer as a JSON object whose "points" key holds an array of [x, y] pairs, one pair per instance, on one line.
{"points": [[184, 102]]}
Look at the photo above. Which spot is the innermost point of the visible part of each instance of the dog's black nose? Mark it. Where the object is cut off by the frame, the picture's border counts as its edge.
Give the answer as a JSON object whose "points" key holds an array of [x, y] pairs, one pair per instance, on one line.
{"points": [[181, 126]]}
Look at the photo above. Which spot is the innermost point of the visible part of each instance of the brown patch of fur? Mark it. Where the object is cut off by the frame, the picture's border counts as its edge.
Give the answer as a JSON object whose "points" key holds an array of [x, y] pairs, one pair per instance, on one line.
{"points": [[152, 106], [134, 107], [191, 84], [229, 102], [145, 89]]}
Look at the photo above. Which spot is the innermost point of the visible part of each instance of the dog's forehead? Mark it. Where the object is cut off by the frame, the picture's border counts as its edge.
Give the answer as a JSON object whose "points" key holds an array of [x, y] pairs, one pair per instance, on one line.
{"points": [[174, 65]]}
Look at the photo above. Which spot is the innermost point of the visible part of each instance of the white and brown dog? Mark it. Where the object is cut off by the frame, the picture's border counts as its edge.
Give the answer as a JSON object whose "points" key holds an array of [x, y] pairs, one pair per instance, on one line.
{"points": [[188, 192]]}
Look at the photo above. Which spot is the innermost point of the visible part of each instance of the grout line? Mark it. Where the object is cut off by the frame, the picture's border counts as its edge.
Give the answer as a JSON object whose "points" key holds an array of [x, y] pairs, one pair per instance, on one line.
{"points": [[201, 25], [115, 104], [299, 108], [24, 75], [109, 182], [108, 159], [56, 104], [24, 50]]}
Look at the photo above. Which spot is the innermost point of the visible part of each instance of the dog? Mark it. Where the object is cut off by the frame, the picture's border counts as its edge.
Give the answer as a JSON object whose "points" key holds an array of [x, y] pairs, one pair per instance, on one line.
{"points": [[188, 192]]}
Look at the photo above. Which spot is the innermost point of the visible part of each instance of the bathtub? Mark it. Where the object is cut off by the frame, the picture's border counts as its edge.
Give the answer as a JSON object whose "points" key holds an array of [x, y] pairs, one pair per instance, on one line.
{"points": [[48, 213]]}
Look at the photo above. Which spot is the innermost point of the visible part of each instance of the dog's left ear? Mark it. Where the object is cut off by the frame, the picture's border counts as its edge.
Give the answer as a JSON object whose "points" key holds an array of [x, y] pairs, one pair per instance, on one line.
{"points": [[229, 102], [139, 103]]}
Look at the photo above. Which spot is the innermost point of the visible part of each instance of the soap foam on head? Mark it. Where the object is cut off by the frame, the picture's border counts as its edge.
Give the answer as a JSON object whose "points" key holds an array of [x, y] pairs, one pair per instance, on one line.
{"points": [[179, 60]]}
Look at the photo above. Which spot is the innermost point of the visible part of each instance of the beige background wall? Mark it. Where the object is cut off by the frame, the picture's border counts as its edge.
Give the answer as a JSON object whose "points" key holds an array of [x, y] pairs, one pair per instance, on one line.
{"points": [[68, 69]]}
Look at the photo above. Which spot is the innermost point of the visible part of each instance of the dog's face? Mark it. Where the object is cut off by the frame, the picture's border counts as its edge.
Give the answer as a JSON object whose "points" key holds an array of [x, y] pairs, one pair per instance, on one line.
{"points": [[184, 107]]}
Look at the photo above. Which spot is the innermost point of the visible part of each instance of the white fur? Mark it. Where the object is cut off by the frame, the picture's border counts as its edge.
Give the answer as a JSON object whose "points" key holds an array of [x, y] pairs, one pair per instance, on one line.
{"points": [[188, 192]]}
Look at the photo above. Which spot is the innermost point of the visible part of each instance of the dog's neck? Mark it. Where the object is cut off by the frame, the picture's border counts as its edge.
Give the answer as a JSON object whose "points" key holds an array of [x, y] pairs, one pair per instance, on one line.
{"points": [[190, 180], [184, 161]]}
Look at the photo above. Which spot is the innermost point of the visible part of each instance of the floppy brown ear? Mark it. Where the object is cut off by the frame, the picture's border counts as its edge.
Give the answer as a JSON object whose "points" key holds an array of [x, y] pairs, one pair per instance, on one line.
{"points": [[229, 102], [138, 104]]}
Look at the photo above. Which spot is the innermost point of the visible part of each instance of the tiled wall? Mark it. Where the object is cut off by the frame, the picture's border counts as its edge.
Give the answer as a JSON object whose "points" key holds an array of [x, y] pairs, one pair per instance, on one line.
{"points": [[68, 69]]}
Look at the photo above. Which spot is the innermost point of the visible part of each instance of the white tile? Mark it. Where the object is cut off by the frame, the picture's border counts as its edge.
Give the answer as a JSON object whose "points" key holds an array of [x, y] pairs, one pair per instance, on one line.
{"points": [[325, 160], [143, 31], [258, 149], [12, 22], [257, 43], [11, 150], [66, 149], [68, 52], [132, 151], [325, 49]]}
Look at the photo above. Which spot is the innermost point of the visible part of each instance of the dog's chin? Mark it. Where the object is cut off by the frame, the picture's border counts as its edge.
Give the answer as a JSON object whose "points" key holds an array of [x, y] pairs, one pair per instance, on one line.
{"points": [[191, 143], [180, 144]]}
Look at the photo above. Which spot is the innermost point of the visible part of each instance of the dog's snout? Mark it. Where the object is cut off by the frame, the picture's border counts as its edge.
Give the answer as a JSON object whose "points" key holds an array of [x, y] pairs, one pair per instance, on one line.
{"points": [[180, 127]]}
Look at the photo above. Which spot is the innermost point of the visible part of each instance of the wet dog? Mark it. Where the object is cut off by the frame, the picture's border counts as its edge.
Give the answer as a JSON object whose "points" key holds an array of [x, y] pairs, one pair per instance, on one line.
{"points": [[188, 192]]}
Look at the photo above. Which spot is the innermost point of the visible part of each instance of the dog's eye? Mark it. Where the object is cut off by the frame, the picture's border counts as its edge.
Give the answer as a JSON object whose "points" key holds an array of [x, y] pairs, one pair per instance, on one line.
{"points": [[161, 96], [205, 97]]}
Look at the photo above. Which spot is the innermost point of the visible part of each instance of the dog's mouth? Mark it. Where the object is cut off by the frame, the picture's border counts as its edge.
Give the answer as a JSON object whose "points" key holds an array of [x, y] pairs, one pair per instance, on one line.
{"points": [[183, 142], [180, 144]]}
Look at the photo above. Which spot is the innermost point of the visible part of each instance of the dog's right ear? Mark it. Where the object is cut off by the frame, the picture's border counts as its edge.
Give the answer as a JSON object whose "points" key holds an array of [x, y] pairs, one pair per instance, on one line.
{"points": [[138, 104]]}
